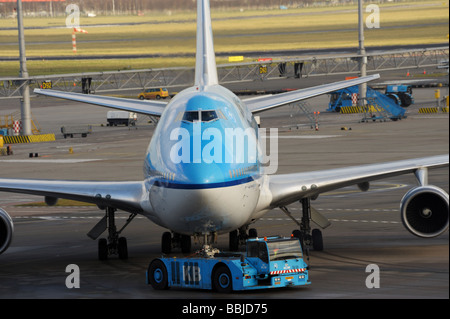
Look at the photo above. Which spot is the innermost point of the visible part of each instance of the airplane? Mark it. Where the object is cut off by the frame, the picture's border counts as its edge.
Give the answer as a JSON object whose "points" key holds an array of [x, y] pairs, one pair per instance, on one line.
{"points": [[195, 182]]}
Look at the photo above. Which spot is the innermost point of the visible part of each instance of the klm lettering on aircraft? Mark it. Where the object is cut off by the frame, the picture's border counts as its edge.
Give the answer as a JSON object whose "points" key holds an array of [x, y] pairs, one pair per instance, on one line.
{"points": [[206, 173]]}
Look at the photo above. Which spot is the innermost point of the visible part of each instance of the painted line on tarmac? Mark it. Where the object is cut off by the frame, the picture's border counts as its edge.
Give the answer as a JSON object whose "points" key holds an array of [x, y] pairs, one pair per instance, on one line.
{"points": [[350, 209], [58, 218], [51, 218], [301, 136], [366, 210], [50, 161], [337, 220]]}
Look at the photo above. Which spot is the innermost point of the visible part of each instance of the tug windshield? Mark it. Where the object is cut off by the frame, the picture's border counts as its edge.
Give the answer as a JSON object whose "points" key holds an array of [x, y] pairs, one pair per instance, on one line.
{"points": [[284, 249]]}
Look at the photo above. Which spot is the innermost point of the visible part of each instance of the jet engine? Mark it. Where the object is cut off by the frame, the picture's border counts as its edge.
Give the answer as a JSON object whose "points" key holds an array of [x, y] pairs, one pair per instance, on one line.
{"points": [[6, 230], [424, 211]]}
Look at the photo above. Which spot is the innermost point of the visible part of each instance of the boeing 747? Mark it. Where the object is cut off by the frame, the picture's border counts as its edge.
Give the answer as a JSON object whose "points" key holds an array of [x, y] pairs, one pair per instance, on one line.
{"points": [[201, 178]]}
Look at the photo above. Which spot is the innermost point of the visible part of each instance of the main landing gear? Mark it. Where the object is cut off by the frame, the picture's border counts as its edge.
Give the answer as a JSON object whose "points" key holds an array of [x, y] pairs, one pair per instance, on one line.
{"points": [[239, 236], [170, 242], [310, 238], [114, 244]]}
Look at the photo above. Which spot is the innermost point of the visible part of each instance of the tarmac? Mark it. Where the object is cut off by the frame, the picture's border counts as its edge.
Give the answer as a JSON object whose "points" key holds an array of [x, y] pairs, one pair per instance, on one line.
{"points": [[366, 227]]}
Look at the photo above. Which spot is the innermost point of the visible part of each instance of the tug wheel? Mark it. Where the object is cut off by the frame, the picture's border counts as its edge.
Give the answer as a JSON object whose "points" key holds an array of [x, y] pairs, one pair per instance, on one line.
{"points": [[157, 275], [222, 280]]}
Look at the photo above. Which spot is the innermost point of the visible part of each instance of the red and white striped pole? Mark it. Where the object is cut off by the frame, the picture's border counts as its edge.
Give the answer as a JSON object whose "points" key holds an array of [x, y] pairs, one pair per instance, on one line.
{"points": [[74, 38], [74, 41]]}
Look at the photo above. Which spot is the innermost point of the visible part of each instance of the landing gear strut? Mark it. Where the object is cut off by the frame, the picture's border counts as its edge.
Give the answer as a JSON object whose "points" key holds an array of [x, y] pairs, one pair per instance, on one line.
{"points": [[309, 238], [114, 244]]}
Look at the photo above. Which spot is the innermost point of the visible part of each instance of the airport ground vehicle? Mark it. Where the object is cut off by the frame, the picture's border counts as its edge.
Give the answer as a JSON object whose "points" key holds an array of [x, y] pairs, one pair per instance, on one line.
{"points": [[158, 93], [70, 131], [268, 262], [347, 99], [115, 118], [400, 94]]}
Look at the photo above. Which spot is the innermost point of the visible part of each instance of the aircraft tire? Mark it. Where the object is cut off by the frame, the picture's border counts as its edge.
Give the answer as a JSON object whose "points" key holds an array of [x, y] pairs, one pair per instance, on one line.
{"points": [[234, 241], [166, 243], [317, 240], [123, 248], [102, 249], [185, 244]]}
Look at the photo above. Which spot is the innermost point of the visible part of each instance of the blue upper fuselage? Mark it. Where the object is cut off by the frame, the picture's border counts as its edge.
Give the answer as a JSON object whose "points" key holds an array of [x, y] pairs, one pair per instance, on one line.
{"points": [[205, 138]]}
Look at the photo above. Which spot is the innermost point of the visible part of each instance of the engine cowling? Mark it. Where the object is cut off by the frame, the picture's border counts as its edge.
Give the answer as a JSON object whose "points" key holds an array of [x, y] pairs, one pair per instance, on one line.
{"points": [[425, 211], [6, 230]]}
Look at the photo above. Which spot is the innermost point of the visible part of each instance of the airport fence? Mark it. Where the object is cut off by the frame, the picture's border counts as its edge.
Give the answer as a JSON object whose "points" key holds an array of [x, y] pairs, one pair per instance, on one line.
{"points": [[264, 69]]}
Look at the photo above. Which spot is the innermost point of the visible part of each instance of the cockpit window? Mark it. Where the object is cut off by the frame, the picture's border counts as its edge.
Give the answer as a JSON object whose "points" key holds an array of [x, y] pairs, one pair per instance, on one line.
{"points": [[204, 116], [208, 116], [190, 116]]}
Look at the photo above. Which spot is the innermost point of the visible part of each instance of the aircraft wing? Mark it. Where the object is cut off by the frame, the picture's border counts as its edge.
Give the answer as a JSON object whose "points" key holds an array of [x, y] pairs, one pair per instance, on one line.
{"points": [[266, 102], [122, 195], [144, 107], [288, 188]]}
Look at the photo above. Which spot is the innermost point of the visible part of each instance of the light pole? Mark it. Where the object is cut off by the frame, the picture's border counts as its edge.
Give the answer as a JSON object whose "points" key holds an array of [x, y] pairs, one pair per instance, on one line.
{"points": [[25, 102], [362, 53]]}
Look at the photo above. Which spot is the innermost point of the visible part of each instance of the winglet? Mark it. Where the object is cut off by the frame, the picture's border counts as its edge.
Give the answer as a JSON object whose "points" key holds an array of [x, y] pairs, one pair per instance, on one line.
{"points": [[205, 68]]}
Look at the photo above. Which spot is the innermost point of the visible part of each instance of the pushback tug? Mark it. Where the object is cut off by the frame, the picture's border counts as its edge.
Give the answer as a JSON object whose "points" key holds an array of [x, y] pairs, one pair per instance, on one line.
{"points": [[268, 262]]}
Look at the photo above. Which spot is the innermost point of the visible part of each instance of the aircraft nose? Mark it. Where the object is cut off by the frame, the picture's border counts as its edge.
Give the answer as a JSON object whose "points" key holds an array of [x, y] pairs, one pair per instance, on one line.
{"points": [[200, 173]]}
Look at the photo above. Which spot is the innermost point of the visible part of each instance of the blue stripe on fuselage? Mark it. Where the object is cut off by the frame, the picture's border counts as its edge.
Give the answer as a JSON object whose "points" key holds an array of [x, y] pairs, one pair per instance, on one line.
{"points": [[174, 185]]}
